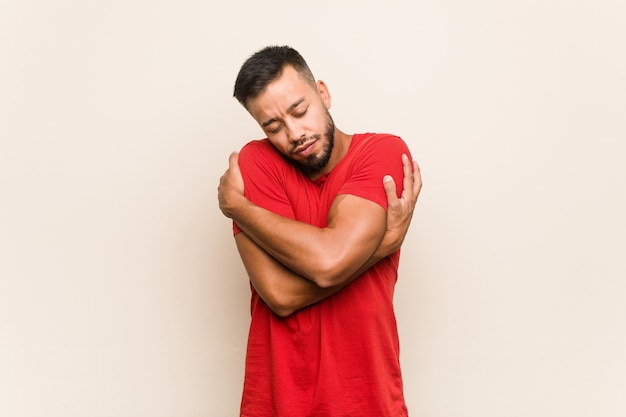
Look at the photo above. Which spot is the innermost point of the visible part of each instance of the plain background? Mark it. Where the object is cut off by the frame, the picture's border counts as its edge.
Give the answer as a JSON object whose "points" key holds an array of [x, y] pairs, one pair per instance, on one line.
{"points": [[121, 292]]}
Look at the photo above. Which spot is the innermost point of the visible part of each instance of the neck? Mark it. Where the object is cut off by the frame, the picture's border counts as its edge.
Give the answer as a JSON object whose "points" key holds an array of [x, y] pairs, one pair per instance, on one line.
{"points": [[342, 144]]}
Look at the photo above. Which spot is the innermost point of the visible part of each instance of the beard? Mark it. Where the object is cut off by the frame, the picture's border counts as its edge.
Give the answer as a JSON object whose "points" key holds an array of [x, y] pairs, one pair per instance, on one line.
{"points": [[315, 163]]}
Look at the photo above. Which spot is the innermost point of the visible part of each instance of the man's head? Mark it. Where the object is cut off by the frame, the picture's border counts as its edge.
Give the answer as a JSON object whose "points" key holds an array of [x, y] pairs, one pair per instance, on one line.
{"points": [[266, 66], [278, 89]]}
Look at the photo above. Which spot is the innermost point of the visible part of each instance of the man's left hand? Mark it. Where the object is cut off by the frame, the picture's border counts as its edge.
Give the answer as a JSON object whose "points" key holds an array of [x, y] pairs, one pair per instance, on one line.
{"points": [[400, 210]]}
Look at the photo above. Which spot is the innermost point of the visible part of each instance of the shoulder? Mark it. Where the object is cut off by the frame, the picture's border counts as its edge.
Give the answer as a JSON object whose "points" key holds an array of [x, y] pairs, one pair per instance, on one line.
{"points": [[378, 139], [259, 153], [259, 159], [258, 147], [382, 144]]}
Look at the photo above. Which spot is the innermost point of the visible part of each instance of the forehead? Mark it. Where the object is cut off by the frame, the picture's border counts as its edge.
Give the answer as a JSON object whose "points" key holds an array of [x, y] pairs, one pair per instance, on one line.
{"points": [[281, 93]]}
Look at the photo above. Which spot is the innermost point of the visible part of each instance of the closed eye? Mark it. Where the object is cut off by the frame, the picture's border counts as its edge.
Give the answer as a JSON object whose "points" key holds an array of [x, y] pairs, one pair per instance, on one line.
{"points": [[302, 113], [276, 129]]}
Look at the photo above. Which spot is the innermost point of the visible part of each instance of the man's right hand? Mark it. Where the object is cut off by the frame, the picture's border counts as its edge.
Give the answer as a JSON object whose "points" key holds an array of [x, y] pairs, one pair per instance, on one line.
{"points": [[230, 189]]}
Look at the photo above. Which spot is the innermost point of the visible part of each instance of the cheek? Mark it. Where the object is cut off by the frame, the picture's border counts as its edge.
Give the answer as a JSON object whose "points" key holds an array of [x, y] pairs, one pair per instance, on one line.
{"points": [[280, 142], [317, 122]]}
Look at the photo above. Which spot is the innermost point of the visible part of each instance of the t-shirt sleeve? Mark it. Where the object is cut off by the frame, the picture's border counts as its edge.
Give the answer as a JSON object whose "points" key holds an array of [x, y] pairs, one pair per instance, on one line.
{"points": [[378, 156], [263, 171]]}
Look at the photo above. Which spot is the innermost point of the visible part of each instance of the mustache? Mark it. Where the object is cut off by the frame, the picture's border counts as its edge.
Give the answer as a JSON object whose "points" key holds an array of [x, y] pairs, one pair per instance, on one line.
{"points": [[304, 140]]}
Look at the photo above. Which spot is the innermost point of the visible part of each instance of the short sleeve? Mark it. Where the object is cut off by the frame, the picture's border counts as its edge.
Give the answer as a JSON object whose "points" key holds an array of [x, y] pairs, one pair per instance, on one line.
{"points": [[264, 174], [375, 157]]}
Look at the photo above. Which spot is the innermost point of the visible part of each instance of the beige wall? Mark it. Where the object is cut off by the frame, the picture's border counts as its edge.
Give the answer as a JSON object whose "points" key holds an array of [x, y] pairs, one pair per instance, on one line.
{"points": [[121, 291]]}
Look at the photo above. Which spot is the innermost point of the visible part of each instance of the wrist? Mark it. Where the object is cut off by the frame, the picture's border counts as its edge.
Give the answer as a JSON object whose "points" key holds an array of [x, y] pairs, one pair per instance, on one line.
{"points": [[234, 206], [391, 242]]}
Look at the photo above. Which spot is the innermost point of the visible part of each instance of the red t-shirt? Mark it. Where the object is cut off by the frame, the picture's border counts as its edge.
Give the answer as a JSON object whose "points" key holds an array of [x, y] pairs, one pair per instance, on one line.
{"points": [[338, 357]]}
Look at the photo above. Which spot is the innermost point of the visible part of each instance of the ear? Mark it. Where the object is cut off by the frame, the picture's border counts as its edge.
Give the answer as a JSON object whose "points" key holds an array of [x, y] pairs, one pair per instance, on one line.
{"points": [[322, 90]]}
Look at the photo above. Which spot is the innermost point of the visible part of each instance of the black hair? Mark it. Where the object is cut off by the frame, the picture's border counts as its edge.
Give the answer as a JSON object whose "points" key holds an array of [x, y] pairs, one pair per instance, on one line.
{"points": [[265, 66]]}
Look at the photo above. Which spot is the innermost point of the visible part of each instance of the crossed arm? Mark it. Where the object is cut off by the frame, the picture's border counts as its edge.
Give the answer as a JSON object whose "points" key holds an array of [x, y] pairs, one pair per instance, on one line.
{"points": [[293, 264]]}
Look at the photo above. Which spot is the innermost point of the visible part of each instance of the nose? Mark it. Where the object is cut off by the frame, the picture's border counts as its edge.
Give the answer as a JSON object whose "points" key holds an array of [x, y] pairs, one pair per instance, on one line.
{"points": [[295, 131]]}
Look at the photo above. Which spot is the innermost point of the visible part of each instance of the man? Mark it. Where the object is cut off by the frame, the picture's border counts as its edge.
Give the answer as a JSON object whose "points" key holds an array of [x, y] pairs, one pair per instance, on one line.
{"points": [[320, 248]]}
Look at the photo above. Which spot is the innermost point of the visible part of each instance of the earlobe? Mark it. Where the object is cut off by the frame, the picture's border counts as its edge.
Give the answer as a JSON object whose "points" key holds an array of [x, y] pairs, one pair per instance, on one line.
{"points": [[322, 89]]}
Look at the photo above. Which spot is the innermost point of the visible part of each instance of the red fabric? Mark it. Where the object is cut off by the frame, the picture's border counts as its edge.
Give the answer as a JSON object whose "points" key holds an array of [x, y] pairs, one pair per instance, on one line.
{"points": [[339, 357]]}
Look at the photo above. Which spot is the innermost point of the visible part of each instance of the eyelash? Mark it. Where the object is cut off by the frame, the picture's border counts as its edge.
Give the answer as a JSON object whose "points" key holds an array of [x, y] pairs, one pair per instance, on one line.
{"points": [[300, 114], [297, 116]]}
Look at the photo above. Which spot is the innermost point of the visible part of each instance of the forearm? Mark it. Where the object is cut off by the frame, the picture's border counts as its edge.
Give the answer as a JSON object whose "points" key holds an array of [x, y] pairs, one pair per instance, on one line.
{"points": [[286, 292], [282, 290], [284, 239], [327, 256], [351, 242]]}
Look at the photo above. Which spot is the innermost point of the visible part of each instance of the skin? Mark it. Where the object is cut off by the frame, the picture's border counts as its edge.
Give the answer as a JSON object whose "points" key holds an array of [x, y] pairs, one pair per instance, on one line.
{"points": [[293, 264]]}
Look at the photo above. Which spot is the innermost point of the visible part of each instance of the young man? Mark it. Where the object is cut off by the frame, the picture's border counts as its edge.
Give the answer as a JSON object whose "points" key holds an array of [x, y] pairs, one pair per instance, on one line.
{"points": [[318, 227]]}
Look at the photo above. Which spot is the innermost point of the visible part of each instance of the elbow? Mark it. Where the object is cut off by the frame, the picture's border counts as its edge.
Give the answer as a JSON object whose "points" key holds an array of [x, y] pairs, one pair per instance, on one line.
{"points": [[281, 306], [336, 271], [329, 274], [326, 281], [282, 311]]}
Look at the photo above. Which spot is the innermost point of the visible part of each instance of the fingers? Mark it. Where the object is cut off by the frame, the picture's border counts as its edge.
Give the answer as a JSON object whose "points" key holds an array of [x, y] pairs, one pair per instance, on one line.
{"points": [[417, 179], [407, 182], [233, 168], [230, 186], [390, 189], [233, 160], [411, 183]]}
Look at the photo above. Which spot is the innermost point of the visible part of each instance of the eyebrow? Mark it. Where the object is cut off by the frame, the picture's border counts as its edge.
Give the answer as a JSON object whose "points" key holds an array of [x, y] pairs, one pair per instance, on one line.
{"points": [[289, 110]]}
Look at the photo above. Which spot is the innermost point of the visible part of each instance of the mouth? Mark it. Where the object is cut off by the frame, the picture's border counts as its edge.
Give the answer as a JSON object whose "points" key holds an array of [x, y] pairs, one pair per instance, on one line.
{"points": [[305, 149]]}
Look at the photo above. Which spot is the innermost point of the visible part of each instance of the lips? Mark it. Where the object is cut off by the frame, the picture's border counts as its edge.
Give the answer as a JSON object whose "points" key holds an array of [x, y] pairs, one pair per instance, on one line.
{"points": [[305, 149]]}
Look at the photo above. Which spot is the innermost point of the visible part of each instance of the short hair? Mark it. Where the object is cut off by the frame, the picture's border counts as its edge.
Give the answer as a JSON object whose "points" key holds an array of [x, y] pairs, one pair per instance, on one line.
{"points": [[265, 66]]}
